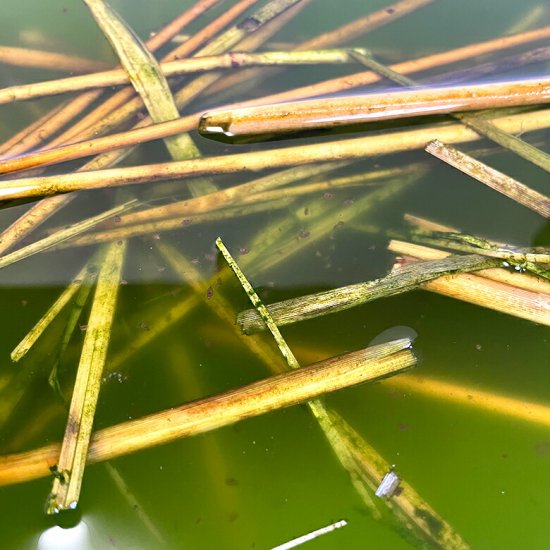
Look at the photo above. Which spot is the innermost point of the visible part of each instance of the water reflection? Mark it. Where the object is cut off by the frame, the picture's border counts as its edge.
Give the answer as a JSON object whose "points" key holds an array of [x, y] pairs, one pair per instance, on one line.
{"points": [[59, 538]]}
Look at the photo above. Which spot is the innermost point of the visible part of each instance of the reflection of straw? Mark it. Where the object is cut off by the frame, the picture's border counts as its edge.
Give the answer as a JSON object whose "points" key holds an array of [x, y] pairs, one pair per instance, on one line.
{"points": [[466, 395]]}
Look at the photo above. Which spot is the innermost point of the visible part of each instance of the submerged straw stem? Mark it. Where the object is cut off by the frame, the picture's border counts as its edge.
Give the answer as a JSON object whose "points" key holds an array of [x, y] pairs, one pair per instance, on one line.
{"points": [[74, 450], [221, 410]]}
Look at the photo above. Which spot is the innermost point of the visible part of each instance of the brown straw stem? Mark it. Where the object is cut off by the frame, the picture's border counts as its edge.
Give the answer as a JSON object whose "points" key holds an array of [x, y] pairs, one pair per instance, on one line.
{"points": [[213, 412]]}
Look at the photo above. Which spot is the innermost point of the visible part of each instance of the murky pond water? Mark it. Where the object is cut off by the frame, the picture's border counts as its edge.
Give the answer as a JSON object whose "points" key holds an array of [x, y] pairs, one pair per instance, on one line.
{"points": [[267, 480]]}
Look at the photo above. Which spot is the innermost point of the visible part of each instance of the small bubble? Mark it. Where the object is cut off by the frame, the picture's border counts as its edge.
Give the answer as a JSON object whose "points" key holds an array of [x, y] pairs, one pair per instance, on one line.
{"points": [[328, 196]]}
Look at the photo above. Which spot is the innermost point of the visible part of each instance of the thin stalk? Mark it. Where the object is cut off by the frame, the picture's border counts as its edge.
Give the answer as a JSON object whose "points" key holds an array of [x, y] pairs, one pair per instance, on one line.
{"points": [[298, 155], [260, 309], [84, 277], [208, 414], [62, 235], [494, 179], [348, 82], [39, 59], [15, 231], [510, 407], [227, 61], [340, 299], [92, 122], [74, 450]]}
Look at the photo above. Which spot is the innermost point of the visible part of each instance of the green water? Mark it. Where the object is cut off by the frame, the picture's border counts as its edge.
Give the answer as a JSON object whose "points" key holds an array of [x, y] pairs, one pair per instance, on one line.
{"points": [[267, 480]]}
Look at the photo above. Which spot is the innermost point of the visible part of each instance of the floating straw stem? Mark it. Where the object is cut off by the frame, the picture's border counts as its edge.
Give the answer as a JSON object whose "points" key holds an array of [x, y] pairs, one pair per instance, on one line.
{"points": [[40, 59], [394, 142], [324, 114], [340, 299], [74, 450], [494, 179], [289, 156], [221, 410], [118, 77], [47, 208]]}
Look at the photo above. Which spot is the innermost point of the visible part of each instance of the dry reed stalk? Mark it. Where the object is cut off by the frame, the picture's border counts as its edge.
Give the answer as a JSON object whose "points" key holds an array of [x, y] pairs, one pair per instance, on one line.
{"points": [[231, 38], [514, 278], [491, 294], [76, 106], [494, 179], [144, 73], [119, 77], [324, 114], [290, 156], [512, 407], [39, 59], [221, 410], [74, 449]]}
